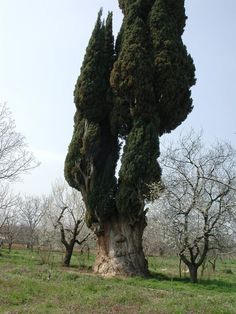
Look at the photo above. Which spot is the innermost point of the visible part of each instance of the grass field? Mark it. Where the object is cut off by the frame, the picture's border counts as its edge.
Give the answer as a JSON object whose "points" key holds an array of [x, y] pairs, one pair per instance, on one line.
{"points": [[36, 283]]}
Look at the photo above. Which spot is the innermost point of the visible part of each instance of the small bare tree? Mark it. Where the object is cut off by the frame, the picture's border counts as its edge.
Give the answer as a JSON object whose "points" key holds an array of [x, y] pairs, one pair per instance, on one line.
{"points": [[156, 238], [68, 215], [32, 209], [11, 228], [4, 204], [8, 202], [199, 210]]}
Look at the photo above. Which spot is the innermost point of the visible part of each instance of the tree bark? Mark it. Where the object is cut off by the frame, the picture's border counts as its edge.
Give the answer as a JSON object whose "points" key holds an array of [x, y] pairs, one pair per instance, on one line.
{"points": [[9, 247], [67, 258], [180, 268], [193, 273], [120, 251]]}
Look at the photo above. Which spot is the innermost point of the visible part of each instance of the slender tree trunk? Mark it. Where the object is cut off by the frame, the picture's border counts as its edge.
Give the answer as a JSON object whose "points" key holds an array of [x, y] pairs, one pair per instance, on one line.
{"points": [[213, 264], [204, 267], [9, 247], [67, 258], [120, 251], [193, 273], [180, 268]]}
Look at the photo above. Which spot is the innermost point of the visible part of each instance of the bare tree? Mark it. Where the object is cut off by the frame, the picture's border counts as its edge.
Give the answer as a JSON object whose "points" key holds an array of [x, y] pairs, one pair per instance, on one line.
{"points": [[48, 236], [68, 215], [8, 202], [10, 229], [3, 209], [32, 210], [156, 238], [15, 159], [198, 200]]}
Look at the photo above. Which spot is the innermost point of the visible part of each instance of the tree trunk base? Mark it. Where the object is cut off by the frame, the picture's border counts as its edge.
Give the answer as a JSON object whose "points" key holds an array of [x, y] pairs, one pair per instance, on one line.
{"points": [[68, 254], [193, 271], [119, 250]]}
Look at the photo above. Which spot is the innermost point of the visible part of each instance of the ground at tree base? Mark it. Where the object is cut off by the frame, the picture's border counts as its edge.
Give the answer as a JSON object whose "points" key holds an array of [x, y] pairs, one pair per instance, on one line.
{"points": [[25, 287]]}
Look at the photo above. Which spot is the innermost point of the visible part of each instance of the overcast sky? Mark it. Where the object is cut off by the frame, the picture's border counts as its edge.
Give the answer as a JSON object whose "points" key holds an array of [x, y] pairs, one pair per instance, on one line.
{"points": [[42, 48]]}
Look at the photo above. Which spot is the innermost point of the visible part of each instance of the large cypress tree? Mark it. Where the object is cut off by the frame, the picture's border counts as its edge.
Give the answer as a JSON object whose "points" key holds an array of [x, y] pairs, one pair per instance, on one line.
{"points": [[136, 92]]}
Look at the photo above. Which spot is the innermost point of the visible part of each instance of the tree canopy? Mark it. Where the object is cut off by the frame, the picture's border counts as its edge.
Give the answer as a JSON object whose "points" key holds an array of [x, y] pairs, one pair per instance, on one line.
{"points": [[151, 75], [135, 90]]}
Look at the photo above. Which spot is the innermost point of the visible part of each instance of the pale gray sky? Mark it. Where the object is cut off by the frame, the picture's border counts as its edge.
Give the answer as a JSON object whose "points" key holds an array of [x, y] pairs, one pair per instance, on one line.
{"points": [[42, 48]]}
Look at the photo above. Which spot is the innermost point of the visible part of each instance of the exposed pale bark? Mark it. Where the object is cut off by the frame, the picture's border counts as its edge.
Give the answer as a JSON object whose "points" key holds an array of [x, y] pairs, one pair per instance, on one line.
{"points": [[120, 251]]}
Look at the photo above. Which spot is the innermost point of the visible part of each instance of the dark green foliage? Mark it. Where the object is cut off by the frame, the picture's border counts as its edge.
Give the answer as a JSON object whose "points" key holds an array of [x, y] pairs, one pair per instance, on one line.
{"points": [[93, 152], [152, 76], [109, 45], [153, 65], [173, 67], [139, 168], [132, 76], [137, 92], [91, 88]]}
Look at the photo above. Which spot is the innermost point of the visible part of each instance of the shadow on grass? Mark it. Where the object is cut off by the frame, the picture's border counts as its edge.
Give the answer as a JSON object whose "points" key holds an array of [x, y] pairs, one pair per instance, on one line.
{"points": [[214, 284]]}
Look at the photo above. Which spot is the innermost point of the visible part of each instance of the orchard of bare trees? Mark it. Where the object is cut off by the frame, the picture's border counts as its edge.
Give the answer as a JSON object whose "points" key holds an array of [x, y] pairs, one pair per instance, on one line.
{"points": [[28, 220], [15, 161]]}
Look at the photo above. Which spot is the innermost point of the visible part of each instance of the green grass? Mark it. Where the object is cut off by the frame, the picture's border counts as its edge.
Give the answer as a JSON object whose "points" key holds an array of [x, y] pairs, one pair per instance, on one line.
{"points": [[25, 287]]}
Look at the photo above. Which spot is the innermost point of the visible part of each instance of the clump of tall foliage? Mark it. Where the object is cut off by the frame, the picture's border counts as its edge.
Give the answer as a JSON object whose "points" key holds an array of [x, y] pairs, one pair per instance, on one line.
{"points": [[134, 90]]}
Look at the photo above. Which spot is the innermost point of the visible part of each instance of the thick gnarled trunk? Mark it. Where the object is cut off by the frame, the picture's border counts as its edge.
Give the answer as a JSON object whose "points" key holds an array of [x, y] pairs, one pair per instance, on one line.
{"points": [[120, 251]]}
